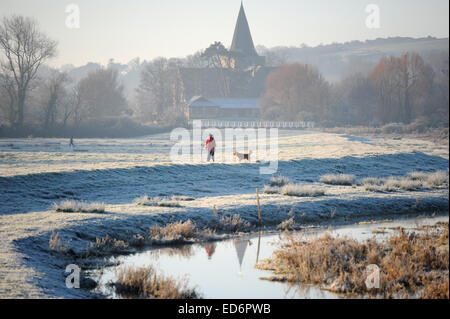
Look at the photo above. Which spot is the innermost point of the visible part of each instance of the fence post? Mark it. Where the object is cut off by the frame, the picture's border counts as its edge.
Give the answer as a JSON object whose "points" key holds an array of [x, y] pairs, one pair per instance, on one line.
{"points": [[259, 206]]}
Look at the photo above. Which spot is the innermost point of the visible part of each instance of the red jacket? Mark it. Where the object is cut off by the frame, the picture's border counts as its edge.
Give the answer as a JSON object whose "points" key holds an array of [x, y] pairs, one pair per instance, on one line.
{"points": [[210, 144]]}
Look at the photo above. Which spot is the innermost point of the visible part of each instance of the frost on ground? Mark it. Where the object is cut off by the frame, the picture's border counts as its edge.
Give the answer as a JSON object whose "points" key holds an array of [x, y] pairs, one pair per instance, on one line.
{"points": [[35, 173]]}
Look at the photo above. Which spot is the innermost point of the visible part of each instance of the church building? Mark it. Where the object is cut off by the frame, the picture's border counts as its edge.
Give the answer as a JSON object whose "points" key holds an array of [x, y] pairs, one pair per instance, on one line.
{"points": [[233, 91]]}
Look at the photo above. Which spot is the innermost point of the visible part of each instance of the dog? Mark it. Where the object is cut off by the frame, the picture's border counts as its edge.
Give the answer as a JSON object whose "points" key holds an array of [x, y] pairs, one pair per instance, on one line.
{"points": [[243, 156]]}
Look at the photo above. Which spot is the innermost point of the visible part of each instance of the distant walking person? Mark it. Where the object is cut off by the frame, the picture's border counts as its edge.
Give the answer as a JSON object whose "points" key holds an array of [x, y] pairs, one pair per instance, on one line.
{"points": [[71, 142], [210, 147]]}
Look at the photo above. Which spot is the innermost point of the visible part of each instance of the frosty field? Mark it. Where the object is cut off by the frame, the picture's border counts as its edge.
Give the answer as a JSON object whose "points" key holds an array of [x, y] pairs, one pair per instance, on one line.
{"points": [[36, 173]]}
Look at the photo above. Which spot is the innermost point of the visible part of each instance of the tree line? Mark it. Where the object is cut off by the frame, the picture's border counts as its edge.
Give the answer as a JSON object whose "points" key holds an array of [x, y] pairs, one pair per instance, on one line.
{"points": [[397, 90], [51, 102], [50, 99]]}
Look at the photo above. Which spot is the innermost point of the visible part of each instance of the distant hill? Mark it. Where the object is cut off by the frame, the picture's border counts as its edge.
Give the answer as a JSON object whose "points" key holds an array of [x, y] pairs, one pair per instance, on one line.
{"points": [[341, 59]]}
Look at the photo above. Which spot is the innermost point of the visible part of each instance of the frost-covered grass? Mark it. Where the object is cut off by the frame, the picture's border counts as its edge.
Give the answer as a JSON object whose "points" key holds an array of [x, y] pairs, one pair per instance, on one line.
{"points": [[302, 190], [299, 190], [106, 245], [179, 232], [437, 179], [74, 206], [414, 181], [279, 181], [146, 282], [338, 179], [157, 201]]}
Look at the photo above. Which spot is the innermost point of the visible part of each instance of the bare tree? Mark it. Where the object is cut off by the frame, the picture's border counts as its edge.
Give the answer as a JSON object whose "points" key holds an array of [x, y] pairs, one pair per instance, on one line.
{"points": [[296, 91], [55, 98], [417, 78], [7, 97], [101, 94], [160, 92], [24, 48], [219, 58], [403, 86]]}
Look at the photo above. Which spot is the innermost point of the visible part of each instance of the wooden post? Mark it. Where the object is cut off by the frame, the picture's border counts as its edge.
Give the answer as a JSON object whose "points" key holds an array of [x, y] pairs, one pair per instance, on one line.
{"points": [[259, 206]]}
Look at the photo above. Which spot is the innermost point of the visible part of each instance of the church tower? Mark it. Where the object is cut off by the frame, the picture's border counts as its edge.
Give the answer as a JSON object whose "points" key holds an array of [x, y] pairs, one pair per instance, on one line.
{"points": [[242, 49]]}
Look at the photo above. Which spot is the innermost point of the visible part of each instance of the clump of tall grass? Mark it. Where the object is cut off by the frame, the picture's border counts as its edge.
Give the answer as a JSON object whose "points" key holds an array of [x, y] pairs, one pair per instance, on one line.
{"points": [[372, 181], [146, 282], [413, 181], [279, 181], [157, 201], [74, 206], [302, 190], [179, 232], [437, 179], [105, 245], [299, 190], [233, 223], [414, 264], [271, 189], [178, 229], [338, 179]]}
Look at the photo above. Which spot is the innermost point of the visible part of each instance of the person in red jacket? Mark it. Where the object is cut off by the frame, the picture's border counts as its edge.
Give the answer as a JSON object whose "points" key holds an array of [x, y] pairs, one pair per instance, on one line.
{"points": [[210, 147]]}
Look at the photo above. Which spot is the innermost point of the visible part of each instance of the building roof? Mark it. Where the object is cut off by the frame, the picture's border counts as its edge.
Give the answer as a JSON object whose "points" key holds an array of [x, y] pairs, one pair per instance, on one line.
{"points": [[242, 38], [224, 103]]}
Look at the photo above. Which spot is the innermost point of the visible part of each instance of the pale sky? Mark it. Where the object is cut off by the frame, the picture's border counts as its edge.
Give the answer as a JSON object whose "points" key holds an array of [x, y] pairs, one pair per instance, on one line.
{"points": [[125, 29]]}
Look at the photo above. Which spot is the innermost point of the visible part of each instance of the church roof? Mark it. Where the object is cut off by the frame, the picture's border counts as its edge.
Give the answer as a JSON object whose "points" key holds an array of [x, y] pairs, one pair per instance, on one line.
{"points": [[224, 103], [242, 38]]}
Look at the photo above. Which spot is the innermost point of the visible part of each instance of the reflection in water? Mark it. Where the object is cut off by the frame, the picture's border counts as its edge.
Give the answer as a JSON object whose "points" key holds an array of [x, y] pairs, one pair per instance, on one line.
{"points": [[241, 246], [259, 247], [210, 249], [181, 251]]}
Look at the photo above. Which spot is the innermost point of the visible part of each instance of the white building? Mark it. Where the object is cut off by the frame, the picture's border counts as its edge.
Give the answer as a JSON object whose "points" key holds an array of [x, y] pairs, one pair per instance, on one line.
{"points": [[223, 108]]}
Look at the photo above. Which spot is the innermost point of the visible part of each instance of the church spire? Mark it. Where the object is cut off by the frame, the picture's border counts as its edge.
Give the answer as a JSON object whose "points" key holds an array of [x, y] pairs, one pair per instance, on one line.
{"points": [[242, 38]]}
